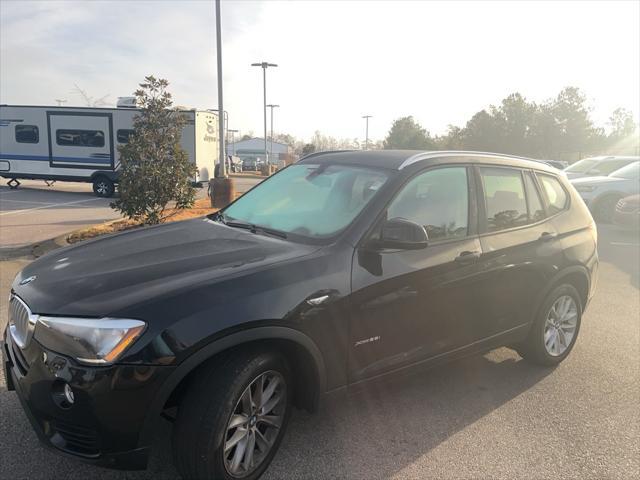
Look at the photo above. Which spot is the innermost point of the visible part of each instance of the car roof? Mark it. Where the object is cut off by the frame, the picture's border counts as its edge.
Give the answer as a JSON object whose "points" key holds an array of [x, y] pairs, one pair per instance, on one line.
{"points": [[399, 159], [611, 158]]}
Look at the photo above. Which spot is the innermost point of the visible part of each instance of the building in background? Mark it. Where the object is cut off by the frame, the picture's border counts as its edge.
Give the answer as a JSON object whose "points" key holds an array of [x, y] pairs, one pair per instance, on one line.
{"points": [[252, 150]]}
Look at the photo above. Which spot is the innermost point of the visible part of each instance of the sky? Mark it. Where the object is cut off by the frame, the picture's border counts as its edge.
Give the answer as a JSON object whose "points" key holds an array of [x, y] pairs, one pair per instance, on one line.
{"points": [[337, 60]]}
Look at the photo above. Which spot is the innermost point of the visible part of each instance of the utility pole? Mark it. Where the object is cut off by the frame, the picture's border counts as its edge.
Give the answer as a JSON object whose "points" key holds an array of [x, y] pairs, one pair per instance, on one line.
{"points": [[271, 106], [264, 66], [366, 141]]}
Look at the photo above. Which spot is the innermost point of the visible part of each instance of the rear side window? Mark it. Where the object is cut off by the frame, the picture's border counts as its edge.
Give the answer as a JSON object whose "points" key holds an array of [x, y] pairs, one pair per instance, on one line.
{"points": [[436, 199], [556, 195], [27, 134], [80, 138], [504, 197], [123, 135]]}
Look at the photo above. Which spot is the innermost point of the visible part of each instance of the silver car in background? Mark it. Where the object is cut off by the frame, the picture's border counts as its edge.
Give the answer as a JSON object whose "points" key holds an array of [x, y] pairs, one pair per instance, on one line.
{"points": [[597, 166], [602, 193]]}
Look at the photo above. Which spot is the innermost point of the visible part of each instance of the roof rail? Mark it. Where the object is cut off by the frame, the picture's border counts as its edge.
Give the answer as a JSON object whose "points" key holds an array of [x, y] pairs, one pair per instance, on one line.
{"points": [[441, 153], [325, 151]]}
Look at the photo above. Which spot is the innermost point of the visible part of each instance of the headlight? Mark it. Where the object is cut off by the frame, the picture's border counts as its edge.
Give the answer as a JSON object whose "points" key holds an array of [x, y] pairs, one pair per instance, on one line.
{"points": [[585, 188], [88, 340]]}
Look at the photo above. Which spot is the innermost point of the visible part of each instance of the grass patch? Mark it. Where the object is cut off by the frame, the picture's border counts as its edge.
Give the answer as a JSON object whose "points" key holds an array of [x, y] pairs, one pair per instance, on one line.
{"points": [[200, 208]]}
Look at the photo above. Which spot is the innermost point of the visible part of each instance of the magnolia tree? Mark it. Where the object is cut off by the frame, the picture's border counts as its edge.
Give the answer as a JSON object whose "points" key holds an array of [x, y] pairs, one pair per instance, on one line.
{"points": [[155, 170]]}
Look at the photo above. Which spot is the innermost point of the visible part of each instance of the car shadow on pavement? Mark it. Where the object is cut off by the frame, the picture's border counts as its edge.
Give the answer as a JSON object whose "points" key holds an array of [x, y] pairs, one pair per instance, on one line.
{"points": [[372, 433]]}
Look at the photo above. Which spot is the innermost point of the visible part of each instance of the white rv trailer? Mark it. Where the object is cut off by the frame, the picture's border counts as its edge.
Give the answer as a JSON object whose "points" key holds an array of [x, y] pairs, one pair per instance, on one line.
{"points": [[81, 144]]}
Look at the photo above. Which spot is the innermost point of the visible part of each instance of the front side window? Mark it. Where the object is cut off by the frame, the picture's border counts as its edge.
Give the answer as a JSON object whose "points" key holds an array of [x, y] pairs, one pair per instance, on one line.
{"points": [[436, 199], [504, 197], [27, 134], [556, 196], [80, 138], [582, 166], [315, 201]]}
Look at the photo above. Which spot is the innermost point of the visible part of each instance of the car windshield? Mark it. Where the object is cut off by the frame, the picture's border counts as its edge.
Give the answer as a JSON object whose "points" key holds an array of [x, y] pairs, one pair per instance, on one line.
{"points": [[631, 171], [314, 201], [582, 166]]}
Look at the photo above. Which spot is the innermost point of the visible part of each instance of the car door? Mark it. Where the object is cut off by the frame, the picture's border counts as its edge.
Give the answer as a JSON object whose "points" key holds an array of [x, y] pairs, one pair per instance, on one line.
{"points": [[411, 305], [520, 247], [80, 140]]}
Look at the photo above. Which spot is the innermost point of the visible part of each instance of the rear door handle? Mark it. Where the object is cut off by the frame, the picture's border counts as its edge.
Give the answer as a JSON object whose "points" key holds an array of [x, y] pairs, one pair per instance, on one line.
{"points": [[548, 236], [468, 256]]}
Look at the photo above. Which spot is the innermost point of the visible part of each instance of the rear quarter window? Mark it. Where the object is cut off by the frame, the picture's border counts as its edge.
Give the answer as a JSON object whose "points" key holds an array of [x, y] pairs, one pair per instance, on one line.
{"points": [[557, 197]]}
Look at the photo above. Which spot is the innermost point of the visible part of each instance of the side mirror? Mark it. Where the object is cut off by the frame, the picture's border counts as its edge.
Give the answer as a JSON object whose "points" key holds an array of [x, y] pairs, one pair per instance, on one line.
{"points": [[402, 234]]}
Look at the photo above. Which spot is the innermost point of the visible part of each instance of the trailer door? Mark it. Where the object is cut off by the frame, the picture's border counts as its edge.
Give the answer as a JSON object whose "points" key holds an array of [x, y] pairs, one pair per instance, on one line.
{"points": [[80, 140]]}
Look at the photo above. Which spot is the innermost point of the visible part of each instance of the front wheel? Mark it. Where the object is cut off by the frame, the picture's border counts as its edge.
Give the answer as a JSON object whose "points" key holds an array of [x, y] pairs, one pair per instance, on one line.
{"points": [[604, 208], [232, 420], [555, 329]]}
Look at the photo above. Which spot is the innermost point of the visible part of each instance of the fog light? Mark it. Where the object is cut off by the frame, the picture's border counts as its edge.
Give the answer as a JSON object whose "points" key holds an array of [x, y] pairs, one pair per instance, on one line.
{"points": [[68, 394]]}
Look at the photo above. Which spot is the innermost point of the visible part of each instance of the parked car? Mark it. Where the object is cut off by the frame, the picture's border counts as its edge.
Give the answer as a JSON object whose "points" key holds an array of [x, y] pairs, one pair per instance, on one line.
{"points": [[559, 164], [597, 166], [601, 194], [627, 213], [337, 270], [249, 164]]}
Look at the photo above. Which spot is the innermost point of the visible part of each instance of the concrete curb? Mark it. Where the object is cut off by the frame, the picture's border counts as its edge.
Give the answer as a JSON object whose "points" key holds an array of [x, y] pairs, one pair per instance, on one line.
{"points": [[34, 250]]}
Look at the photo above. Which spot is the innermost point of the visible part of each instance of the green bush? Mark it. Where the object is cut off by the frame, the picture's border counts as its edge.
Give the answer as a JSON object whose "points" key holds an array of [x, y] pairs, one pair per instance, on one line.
{"points": [[154, 170]]}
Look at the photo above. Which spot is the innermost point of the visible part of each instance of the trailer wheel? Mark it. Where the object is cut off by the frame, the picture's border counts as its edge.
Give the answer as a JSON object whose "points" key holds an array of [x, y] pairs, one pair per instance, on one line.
{"points": [[103, 187]]}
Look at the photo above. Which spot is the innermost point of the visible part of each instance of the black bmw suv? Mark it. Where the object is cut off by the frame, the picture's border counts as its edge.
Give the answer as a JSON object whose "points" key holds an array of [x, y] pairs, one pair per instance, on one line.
{"points": [[340, 269]]}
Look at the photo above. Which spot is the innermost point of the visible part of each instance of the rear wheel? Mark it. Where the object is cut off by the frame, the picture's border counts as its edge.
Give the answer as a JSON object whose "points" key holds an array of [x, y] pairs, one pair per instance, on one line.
{"points": [[103, 187], [555, 330], [232, 420]]}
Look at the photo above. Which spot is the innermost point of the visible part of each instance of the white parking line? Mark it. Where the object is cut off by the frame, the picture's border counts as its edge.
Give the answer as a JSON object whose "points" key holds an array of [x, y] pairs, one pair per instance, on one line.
{"points": [[22, 201], [53, 205], [625, 244]]}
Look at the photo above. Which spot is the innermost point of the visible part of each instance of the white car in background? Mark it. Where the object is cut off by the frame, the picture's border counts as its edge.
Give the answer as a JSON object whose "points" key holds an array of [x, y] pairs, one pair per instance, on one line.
{"points": [[597, 166], [601, 194]]}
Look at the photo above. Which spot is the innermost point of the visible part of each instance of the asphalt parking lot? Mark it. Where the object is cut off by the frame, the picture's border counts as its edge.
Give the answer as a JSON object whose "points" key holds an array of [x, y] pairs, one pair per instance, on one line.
{"points": [[35, 212], [491, 416]]}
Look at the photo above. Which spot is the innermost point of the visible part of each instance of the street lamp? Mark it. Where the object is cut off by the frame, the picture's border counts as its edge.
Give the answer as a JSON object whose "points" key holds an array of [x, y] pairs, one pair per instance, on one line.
{"points": [[366, 141], [264, 66], [233, 139], [271, 106]]}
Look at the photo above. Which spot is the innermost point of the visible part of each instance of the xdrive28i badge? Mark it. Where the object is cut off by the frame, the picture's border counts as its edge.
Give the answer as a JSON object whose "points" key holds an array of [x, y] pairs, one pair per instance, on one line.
{"points": [[28, 280]]}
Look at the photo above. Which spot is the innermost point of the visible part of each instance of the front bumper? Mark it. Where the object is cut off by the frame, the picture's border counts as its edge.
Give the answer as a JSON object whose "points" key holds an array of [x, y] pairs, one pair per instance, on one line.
{"points": [[103, 425]]}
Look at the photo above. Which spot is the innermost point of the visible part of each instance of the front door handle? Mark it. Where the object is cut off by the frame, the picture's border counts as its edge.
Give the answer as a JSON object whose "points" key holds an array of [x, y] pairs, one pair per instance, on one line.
{"points": [[548, 236], [468, 256]]}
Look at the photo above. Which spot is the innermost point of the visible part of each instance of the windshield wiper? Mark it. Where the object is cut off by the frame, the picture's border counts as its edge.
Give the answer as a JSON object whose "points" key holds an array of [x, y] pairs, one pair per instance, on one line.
{"points": [[250, 226]]}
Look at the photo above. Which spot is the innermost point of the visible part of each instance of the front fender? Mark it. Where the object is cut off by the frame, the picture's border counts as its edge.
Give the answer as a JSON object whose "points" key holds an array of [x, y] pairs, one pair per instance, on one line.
{"points": [[218, 346]]}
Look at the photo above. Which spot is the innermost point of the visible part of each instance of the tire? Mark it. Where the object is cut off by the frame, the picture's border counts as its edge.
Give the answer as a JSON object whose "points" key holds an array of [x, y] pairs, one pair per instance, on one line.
{"points": [[103, 186], [219, 397], [540, 347], [604, 208]]}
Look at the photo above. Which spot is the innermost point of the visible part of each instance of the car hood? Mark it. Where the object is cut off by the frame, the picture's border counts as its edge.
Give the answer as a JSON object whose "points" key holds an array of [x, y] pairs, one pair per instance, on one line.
{"points": [[104, 276]]}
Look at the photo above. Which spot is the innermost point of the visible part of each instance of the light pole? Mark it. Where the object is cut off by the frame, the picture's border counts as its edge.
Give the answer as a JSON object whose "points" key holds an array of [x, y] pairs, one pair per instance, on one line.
{"points": [[264, 66], [221, 188], [271, 106], [366, 141], [222, 171], [233, 139]]}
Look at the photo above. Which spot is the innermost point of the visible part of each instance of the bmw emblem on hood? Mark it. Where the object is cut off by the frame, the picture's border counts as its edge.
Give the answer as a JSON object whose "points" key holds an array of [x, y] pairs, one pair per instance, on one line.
{"points": [[28, 280]]}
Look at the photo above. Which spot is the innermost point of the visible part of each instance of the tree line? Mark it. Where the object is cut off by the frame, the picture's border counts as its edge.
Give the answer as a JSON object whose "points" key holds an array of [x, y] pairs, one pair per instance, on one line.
{"points": [[560, 128]]}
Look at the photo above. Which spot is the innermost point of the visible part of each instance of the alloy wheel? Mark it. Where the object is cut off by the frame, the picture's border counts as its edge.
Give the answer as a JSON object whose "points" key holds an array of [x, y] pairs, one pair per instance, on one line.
{"points": [[560, 326], [254, 425]]}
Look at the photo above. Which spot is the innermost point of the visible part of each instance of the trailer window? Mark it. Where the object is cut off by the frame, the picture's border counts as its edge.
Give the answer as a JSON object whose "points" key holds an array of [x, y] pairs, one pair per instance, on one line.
{"points": [[27, 134], [80, 138], [123, 135]]}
